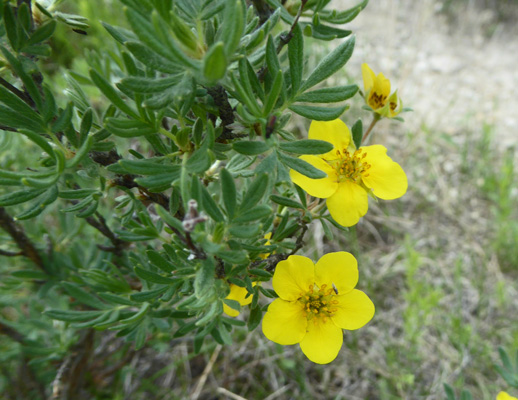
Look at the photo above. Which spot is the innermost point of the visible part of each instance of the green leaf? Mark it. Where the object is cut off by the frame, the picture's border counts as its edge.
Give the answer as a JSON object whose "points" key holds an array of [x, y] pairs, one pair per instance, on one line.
{"points": [[233, 26], [319, 113], [330, 64], [255, 192], [38, 140], [272, 61], [244, 97], [140, 84], [112, 95], [64, 119], [27, 80], [228, 192], [86, 124], [148, 295], [250, 148], [153, 60], [18, 105], [114, 299], [296, 58], [30, 274], [128, 128], [325, 32], [255, 213], [345, 16], [159, 261], [275, 91], [147, 34], [153, 277], [72, 316], [76, 194], [328, 95], [199, 161], [260, 272], [215, 63], [357, 131], [81, 153], [148, 167], [19, 197], [210, 206], [254, 319], [302, 166], [450, 394], [50, 196], [158, 183], [234, 256], [285, 201], [10, 27], [307, 146], [82, 296], [204, 278], [43, 33], [169, 219], [245, 231]]}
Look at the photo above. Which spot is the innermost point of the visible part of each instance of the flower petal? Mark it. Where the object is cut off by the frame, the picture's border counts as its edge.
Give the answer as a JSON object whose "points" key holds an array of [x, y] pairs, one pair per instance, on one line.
{"points": [[355, 309], [321, 188], [322, 342], [368, 78], [348, 204], [339, 269], [381, 85], [385, 177], [334, 132], [238, 294], [293, 277], [505, 396], [284, 322]]}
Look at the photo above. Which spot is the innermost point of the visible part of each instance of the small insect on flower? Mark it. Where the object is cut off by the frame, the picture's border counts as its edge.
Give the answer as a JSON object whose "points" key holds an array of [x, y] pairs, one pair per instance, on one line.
{"points": [[316, 301]]}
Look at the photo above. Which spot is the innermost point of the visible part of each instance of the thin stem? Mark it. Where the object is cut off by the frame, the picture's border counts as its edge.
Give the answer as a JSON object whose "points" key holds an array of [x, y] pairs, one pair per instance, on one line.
{"points": [[371, 126], [168, 134]]}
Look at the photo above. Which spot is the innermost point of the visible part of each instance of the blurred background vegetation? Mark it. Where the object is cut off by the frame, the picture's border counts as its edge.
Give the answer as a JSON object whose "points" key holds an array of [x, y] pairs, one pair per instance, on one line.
{"points": [[441, 264]]}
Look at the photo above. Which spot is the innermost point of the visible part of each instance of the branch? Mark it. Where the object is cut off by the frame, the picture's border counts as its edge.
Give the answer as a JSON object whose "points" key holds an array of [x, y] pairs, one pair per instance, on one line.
{"points": [[16, 232], [285, 39], [273, 259], [71, 373], [12, 333], [23, 96], [101, 225], [263, 10]]}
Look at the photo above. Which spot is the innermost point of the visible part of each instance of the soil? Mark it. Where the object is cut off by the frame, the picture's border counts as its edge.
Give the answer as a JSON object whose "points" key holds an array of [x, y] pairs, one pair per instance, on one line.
{"points": [[457, 72]]}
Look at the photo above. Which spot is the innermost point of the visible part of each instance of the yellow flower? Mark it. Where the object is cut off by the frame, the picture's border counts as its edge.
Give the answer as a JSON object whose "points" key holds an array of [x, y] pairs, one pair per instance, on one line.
{"points": [[268, 236], [238, 294], [315, 303], [351, 174], [505, 396], [377, 93]]}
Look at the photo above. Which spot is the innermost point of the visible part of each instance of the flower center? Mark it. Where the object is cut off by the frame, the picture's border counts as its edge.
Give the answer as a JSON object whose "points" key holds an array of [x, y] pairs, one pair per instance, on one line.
{"points": [[319, 304], [377, 100], [351, 166]]}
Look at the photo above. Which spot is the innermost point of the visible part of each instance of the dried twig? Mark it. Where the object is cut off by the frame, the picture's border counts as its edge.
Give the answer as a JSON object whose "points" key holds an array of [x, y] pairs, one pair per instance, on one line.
{"points": [[205, 374]]}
